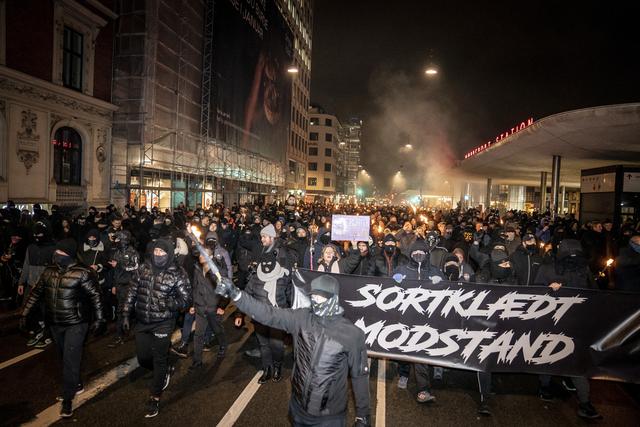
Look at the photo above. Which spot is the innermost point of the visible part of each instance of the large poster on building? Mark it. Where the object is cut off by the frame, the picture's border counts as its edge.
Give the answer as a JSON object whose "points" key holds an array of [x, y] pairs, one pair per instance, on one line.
{"points": [[251, 91]]}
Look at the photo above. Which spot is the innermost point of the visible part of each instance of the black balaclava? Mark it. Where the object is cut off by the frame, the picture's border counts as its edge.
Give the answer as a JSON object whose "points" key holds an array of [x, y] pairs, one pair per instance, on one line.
{"points": [[93, 233], [419, 254], [68, 246], [160, 263]]}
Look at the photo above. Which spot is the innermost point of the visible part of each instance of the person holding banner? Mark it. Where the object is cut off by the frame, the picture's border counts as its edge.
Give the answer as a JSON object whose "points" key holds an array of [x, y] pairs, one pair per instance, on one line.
{"points": [[331, 262], [327, 349], [571, 269], [418, 268]]}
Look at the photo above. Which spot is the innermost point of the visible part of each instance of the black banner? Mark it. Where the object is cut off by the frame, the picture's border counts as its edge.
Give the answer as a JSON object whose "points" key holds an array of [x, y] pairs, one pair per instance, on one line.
{"points": [[571, 332], [251, 94]]}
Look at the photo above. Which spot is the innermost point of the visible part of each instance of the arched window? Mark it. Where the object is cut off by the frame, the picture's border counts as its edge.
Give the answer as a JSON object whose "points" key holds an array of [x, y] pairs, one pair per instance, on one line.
{"points": [[67, 156]]}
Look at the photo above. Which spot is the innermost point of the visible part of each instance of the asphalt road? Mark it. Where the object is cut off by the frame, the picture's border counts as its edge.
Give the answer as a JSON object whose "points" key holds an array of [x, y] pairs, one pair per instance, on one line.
{"points": [[213, 394]]}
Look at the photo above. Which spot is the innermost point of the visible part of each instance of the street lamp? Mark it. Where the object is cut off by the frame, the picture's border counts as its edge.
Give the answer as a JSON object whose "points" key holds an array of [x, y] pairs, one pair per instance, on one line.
{"points": [[292, 70], [408, 146], [431, 71]]}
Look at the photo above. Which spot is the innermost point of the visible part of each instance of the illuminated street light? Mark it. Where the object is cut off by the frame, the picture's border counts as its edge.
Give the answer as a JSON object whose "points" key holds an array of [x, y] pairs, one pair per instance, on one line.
{"points": [[408, 146], [292, 70], [431, 71]]}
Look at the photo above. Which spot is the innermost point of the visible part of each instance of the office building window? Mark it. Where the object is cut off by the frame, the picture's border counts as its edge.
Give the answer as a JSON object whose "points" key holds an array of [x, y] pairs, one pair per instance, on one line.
{"points": [[72, 59], [327, 167], [328, 122], [328, 137], [312, 181], [327, 152], [313, 136], [313, 166], [313, 151], [327, 182], [313, 121]]}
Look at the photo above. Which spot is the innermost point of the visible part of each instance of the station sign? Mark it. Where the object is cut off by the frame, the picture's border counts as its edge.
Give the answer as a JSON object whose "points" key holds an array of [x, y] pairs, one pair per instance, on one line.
{"points": [[517, 128]]}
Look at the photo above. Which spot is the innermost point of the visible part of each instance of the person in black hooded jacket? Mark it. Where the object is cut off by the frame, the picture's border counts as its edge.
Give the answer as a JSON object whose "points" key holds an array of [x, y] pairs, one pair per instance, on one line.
{"points": [[418, 268], [158, 291], [327, 349], [571, 268], [92, 255], [388, 259]]}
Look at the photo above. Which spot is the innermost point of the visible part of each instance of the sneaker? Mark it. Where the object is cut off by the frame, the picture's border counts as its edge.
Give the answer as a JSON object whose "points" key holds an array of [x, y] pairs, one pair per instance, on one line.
{"points": [[167, 378], [586, 410], [568, 385], [79, 390], [34, 340], [116, 343], [266, 376], [402, 382], [484, 409], [253, 353], [66, 411], [180, 350], [43, 343], [277, 374], [152, 407], [425, 397], [545, 395]]}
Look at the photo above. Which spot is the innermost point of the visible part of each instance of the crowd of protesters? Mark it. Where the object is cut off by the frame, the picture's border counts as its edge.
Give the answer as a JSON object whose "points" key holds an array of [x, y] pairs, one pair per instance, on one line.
{"points": [[140, 269]]}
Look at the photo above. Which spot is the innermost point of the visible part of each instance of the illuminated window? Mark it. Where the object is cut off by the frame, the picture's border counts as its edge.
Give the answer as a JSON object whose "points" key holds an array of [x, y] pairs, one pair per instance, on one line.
{"points": [[312, 181], [67, 156]]}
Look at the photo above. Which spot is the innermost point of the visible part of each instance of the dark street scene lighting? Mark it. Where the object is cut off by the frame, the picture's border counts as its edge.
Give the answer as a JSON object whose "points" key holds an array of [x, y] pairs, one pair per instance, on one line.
{"points": [[319, 213]]}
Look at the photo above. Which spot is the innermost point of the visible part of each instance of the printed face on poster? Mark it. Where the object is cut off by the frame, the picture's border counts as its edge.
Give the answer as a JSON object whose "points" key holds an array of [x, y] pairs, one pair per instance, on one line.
{"points": [[350, 227]]}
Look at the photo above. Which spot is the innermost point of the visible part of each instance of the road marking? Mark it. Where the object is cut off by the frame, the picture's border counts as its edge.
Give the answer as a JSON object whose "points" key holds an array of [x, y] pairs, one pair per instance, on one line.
{"points": [[20, 358], [52, 413], [381, 394], [241, 402]]}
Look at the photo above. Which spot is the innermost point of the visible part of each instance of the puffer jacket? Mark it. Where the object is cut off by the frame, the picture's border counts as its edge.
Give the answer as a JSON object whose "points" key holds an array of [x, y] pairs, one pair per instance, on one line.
{"points": [[326, 351], [70, 295], [158, 294]]}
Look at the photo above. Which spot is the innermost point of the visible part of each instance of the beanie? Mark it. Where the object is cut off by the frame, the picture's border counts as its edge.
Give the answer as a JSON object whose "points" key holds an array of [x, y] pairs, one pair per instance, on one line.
{"points": [[68, 246], [269, 230]]}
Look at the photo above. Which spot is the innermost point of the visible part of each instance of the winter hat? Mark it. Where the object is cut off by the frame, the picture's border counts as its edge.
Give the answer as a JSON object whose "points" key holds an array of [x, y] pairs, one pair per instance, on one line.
{"points": [[390, 238], [325, 285], [68, 246], [269, 231]]}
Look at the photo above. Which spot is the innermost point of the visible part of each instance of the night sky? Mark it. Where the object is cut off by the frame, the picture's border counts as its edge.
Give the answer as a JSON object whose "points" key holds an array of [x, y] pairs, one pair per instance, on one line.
{"points": [[499, 63]]}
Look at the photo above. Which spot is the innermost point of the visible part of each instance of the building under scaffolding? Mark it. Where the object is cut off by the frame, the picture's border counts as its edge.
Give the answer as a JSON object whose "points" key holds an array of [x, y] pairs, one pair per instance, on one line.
{"points": [[167, 135]]}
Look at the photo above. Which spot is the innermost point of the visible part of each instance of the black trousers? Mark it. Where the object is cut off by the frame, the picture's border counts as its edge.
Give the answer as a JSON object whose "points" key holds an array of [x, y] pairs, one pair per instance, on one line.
{"points": [[69, 341], [152, 347], [215, 323], [271, 345]]}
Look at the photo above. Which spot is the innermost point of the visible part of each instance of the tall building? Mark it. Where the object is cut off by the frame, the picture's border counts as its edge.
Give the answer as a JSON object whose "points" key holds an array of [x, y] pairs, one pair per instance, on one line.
{"points": [[322, 165], [55, 101], [352, 134], [299, 15], [205, 101]]}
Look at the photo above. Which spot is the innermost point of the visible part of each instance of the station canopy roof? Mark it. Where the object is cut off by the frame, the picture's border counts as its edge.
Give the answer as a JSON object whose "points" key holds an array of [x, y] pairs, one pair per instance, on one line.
{"points": [[586, 138]]}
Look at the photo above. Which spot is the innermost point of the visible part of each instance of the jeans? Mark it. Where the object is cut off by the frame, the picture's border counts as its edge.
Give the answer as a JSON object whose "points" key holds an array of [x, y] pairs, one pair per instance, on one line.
{"points": [[152, 347], [69, 341], [271, 345], [206, 322], [404, 369], [187, 325], [121, 296], [484, 385]]}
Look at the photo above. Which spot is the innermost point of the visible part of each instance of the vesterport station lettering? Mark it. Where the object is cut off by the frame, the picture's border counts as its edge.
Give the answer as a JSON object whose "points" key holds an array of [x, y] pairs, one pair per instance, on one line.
{"points": [[517, 128]]}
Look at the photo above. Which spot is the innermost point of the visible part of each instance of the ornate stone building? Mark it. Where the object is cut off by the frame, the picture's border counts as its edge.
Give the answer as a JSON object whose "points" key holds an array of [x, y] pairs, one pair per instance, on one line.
{"points": [[55, 110]]}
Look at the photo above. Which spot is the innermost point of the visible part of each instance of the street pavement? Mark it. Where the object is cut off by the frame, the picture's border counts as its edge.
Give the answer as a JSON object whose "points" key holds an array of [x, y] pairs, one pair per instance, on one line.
{"points": [[224, 392]]}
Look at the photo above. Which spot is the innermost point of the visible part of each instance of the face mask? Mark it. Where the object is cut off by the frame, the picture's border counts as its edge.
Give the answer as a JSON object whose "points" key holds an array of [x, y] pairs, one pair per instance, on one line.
{"points": [[81, 222], [302, 238], [330, 307], [167, 222], [389, 249], [325, 239], [419, 257], [62, 260], [452, 272], [160, 261], [92, 242], [531, 249]]}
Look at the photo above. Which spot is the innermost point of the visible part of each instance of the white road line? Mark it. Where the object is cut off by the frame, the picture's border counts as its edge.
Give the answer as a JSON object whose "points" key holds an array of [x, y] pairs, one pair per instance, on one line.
{"points": [[381, 394], [241, 402], [20, 358], [52, 413]]}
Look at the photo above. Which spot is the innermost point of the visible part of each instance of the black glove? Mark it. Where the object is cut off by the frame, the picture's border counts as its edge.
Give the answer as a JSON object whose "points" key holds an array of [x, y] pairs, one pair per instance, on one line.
{"points": [[22, 323], [226, 288], [126, 326], [98, 327], [362, 422]]}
